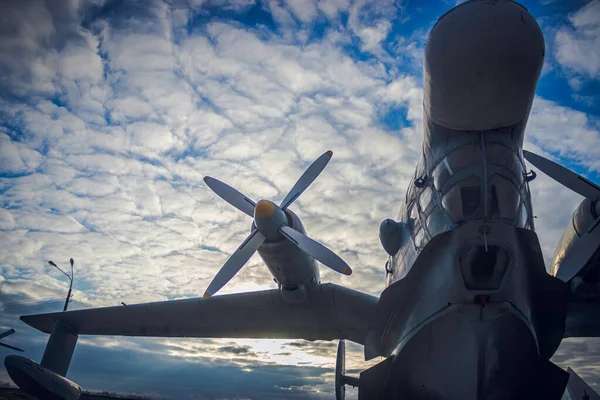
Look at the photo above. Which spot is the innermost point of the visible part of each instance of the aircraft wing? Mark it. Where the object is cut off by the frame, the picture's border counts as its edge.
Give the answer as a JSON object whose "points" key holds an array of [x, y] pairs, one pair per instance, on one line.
{"points": [[578, 389], [330, 312]]}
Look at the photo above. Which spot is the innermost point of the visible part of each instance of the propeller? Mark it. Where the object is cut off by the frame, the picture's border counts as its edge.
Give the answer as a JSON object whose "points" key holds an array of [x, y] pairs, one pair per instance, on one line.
{"points": [[5, 334], [586, 245], [271, 224], [564, 176]]}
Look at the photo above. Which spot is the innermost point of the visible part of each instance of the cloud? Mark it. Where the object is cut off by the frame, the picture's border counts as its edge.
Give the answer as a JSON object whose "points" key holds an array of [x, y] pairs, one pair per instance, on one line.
{"points": [[565, 132], [578, 45], [17, 158]]}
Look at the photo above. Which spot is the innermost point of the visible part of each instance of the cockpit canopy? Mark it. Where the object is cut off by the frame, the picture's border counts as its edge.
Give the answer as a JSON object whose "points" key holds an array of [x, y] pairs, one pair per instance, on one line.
{"points": [[472, 181], [473, 184]]}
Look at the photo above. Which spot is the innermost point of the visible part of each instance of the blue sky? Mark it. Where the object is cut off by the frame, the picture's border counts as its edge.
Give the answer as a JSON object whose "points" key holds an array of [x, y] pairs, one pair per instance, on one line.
{"points": [[112, 112]]}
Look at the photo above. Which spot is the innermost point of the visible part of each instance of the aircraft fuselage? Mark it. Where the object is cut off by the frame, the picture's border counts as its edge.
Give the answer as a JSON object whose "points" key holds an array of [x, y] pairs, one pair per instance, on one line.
{"points": [[471, 323]]}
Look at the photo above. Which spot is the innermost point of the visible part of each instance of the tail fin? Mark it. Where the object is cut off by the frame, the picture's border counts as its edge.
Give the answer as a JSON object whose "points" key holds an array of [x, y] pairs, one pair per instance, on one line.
{"points": [[578, 389]]}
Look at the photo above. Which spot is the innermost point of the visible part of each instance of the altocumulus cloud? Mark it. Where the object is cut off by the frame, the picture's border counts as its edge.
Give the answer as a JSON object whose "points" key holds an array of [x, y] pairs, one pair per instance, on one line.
{"points": [[112, 112]]}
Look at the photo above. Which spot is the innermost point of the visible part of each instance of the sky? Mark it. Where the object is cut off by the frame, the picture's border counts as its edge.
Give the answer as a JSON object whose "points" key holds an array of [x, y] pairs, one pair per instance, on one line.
{"points": [[112, 112]]}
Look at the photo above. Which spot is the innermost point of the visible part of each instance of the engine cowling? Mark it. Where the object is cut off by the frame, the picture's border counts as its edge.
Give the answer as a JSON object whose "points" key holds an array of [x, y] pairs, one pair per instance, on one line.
{"points": [[291, 267], [587, 281], [39, 381]]}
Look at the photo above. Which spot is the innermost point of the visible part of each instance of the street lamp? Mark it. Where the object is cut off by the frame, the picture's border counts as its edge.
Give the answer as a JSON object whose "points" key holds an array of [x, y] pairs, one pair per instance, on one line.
{"points": [[70, 279]]}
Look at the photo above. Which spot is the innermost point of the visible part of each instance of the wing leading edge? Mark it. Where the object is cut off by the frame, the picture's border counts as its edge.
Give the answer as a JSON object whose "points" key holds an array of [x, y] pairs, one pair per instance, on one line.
{"points": [[331, 312]]}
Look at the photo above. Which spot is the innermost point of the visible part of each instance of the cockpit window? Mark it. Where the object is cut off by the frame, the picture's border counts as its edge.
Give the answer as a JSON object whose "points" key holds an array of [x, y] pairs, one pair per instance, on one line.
{"points": [[460, 159], [425, 199], [413, 216], [463, 200], [469, 184], [504, 156], [438, 222], [504, 198], [420, 238], [523, 217]]}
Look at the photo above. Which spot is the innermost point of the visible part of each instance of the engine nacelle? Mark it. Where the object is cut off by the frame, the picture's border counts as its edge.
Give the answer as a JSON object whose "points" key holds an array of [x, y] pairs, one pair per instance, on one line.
{"points": [[587, 282], [39, 381], [46, 380], [291, 267]]}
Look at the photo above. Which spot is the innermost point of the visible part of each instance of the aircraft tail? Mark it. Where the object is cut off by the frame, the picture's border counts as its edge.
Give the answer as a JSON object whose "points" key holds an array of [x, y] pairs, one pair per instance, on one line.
{"points": [[578, 389]]}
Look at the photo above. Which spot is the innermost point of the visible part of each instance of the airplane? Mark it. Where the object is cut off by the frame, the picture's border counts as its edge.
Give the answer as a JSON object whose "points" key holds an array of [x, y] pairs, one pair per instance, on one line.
{"points": [[469, 310]]}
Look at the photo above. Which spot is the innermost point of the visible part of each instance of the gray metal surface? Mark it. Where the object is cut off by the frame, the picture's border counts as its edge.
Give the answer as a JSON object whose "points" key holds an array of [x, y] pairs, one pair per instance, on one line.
{"points": [[231, 195], [482, 62], [39, 381], [272, 224], [581, 239], [235, 262], [334, 312], [316, 250], [59, 350], [564, 176], [289, 265], [308, 177]]}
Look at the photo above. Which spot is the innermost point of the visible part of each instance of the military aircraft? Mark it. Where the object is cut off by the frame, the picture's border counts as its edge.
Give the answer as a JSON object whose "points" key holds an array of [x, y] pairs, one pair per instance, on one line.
{"points": [[469, 310]]}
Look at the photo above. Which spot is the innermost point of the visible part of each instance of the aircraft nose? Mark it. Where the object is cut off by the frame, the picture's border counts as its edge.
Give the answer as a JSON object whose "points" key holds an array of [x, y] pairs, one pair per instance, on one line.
{"points": [[482, 62]]}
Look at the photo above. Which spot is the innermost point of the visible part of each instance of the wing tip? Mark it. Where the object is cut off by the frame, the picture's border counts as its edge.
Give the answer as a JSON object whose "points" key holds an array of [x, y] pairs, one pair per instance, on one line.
{"points": [[329, 153], [348, 271], [35, 322]]}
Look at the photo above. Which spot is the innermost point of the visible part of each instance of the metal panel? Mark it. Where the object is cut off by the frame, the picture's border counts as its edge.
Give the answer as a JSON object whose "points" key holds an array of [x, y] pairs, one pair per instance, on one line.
{"points": [[332, 312]]}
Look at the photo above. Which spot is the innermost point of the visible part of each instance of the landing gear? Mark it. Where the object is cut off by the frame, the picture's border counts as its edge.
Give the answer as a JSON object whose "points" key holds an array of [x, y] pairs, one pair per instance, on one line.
{"points": [[341, 379]]}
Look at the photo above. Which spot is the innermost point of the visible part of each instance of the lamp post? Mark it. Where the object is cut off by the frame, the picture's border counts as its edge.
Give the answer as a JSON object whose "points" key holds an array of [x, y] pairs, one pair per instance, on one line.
{"points": [[70, 279]]}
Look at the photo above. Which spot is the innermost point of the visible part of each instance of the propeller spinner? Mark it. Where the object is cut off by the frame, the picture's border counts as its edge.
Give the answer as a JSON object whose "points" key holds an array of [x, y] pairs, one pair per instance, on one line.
{"points": [[271, 224], [585, 247]]}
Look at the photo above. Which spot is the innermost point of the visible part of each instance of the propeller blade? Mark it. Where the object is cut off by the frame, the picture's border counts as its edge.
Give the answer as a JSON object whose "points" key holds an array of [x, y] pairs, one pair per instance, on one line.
{"points": [[7, 333], [316, 250], [230, 195], [235, 262], [564, 176], [306, 179], [11, 347], [583, 249]]}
